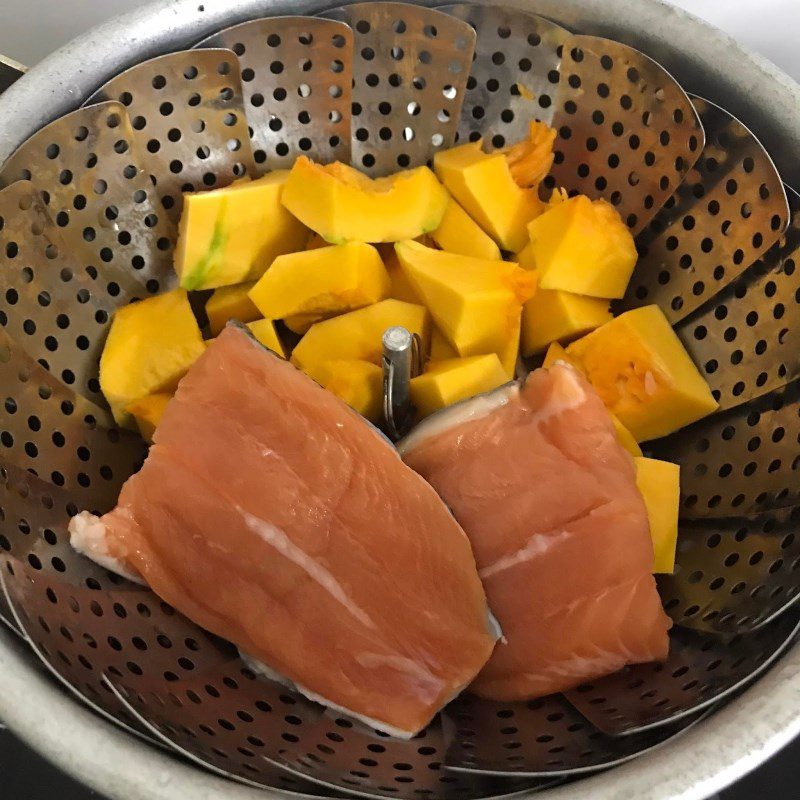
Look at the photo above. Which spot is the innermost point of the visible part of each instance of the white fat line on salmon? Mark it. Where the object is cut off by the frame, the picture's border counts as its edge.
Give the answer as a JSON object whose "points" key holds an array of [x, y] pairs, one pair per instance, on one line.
{"points": [[276, 538], [595, 661], [603, 662], [403, 664], [541, 541], [537, 545], [596, 598]]}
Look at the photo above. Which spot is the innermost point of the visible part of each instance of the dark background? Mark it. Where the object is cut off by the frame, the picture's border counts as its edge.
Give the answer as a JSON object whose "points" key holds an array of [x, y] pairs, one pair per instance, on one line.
{"points": [[26, 776]]}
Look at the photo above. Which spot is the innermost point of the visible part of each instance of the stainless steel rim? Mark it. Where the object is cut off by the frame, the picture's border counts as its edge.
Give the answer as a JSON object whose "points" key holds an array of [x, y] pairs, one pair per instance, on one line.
{"points": [[714, 754]]}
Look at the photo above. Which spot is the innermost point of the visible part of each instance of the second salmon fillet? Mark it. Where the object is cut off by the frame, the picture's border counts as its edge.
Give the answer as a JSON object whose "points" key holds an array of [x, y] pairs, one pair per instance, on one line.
{"points": [[270, 513], [535, 476]]}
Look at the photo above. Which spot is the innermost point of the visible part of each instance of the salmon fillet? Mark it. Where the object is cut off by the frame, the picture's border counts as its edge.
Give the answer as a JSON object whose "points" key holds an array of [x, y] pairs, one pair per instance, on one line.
{"points": [[271, 514], [535, 476]]}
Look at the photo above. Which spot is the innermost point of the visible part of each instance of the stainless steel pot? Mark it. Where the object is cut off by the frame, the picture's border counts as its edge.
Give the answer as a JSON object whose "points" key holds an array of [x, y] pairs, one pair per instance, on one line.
{"points": [[709, 757]]}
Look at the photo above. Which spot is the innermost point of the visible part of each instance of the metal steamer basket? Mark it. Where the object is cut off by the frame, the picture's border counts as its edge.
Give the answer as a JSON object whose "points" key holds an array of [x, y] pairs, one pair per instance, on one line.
{"points": [[100, 141]]}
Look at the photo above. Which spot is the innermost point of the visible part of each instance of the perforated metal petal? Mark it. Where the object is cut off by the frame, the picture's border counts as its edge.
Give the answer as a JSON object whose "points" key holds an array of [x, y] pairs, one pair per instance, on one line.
{"points": [[245, 724], [132, 637], [36, 513], [215, 746], [60, 436], [700, 670], [99, 196], [297, 78], [627, 132], [730, 209], [746, 340], [188, 121], [734, 575], [387, 767], [514, 75], [410, 69], [55, 661], [35, 547], [57, 309], [544, 737], [740, 461]]}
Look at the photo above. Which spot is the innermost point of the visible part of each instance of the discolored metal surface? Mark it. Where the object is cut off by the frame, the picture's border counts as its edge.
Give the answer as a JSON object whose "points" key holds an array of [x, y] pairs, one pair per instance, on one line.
{"points": [[410, 68], [54, 307], [297, 79], [700, 670], [739, 461], [627, 132], [734, 574], [746, 341], [188, 120], [539, 738], [730, 209], [99, 196], [514, 74]]}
